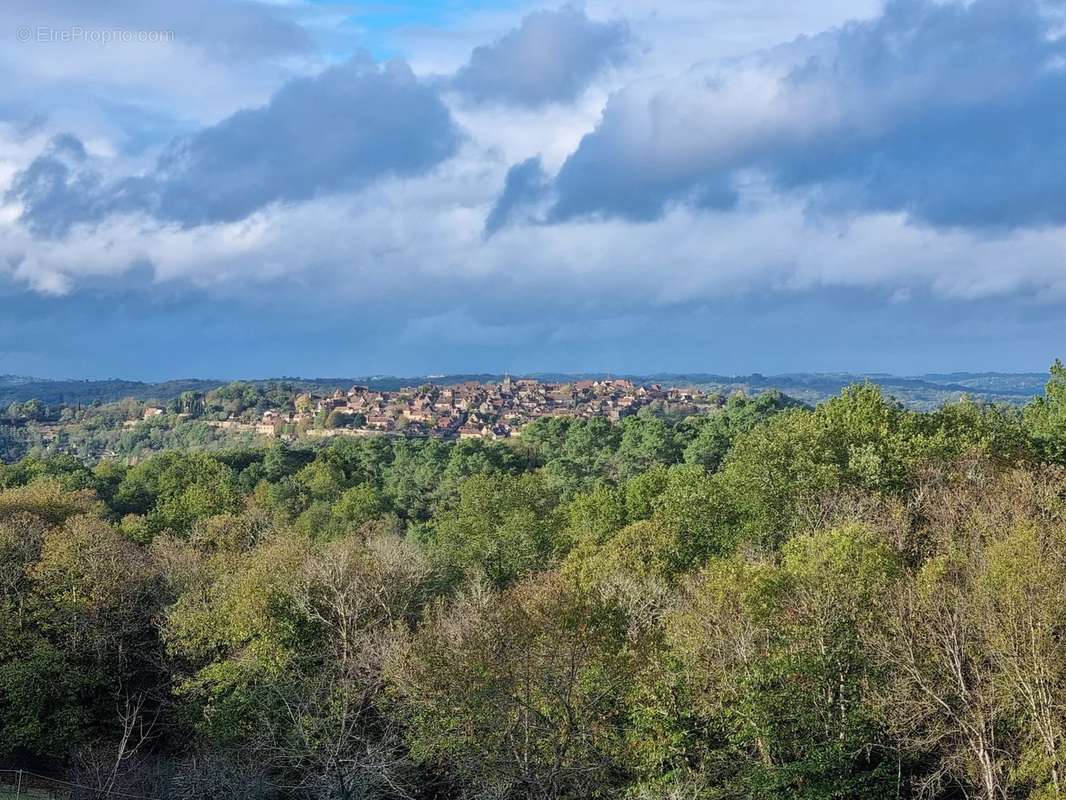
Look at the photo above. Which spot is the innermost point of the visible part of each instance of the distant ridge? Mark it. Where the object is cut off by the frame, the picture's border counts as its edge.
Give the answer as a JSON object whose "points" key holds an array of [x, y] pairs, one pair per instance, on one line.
{"points": [[917, 391], [19, 389]]}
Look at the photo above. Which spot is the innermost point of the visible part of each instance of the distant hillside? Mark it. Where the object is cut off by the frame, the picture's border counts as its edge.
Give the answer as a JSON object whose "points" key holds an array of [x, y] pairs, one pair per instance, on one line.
{"points": [[17, 389], [919, 391], [994, 381]]}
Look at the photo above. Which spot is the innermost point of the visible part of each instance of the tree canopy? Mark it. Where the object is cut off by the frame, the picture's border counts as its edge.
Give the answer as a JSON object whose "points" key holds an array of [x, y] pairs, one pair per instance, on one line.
{"points": [[767, 600]]}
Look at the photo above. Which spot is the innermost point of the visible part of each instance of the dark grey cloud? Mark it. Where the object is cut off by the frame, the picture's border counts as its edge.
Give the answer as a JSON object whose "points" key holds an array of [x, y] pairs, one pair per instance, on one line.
{"points": [[983, 144], [951, 112], [525, 185], [593, 183], [337, 131], [550, 58], [58, 186]]}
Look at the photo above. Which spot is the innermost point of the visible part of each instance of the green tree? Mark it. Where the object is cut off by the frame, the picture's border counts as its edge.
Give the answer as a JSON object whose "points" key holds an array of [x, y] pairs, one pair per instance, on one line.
{"points": [[285, 646], [646, 442], [593, 516], [503, 527], [174, 489], [699, 513], [518, 695], [80, 658], [772, 660], [1045, 417], [359, 505], [717, 432]]}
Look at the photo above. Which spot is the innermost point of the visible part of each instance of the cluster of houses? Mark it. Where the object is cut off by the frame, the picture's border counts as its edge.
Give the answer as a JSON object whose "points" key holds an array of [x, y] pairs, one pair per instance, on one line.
{"points": [[471, 410]]}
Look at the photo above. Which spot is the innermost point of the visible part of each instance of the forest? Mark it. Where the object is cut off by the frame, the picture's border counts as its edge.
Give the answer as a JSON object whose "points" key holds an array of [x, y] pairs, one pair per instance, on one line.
{"points": [[769, 601]]}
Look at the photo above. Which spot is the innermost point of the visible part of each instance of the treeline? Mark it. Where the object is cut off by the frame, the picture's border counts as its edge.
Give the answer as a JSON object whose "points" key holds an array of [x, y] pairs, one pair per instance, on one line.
{"points": [[238, 399], [116, 430], [771, 601]]}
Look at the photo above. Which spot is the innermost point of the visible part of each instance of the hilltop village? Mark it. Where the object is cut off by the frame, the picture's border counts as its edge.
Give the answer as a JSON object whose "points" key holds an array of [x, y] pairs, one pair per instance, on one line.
{"points": [[239, 413], [466, 410]]}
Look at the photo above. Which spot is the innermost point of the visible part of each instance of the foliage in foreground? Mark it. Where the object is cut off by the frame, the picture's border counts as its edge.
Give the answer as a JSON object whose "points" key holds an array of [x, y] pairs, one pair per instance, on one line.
{"points": [[847, 601]]}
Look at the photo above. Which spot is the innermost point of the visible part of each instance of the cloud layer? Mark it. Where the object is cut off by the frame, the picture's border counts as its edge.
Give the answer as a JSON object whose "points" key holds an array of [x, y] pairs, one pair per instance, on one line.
{"points": [[564, 187], [952, 113], [336, 131]]}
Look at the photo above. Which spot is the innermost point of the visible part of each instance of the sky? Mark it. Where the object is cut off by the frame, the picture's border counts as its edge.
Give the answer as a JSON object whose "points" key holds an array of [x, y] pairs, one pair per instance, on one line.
{"points": [[228, 189]]}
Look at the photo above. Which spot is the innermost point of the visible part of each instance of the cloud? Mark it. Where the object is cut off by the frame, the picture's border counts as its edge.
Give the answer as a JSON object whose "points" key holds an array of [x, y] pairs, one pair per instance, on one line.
{"points": [[337, 131], [413, 247], [950, 112], [384, 203], [524, 185], [197, 62], [226, 30], [58, 187], [551, 57], [65, 185]]}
